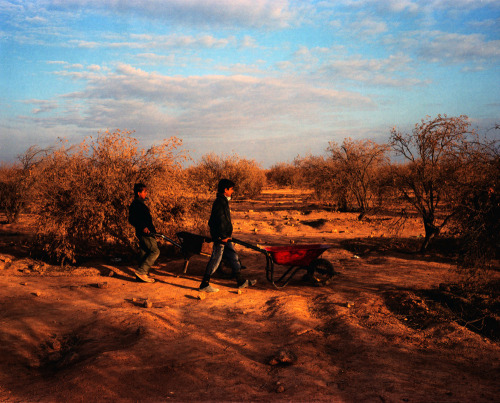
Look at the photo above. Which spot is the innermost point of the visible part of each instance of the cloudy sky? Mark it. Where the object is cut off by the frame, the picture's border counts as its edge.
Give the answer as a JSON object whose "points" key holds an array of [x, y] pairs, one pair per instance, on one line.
{"points": [[266, 79]]}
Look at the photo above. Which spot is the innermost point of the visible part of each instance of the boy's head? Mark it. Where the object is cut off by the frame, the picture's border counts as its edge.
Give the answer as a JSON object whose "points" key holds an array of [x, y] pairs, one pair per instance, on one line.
{"points": [[139, 189], [225, 184]]}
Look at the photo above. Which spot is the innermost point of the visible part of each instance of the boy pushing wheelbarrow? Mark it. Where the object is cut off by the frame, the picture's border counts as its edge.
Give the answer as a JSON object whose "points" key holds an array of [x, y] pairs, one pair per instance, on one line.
{"points": [[221, 230]]}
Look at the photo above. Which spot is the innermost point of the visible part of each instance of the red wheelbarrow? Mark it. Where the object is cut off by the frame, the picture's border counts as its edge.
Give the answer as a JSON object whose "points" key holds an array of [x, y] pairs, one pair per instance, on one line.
{"points": [[295, 257]]}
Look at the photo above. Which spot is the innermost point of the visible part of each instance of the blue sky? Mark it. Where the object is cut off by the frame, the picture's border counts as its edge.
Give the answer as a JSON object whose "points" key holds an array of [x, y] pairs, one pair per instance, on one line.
{"points": [[265, 79]]}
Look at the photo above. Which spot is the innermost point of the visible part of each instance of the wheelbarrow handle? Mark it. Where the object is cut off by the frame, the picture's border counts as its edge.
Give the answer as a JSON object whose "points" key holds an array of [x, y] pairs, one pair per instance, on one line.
{"points": [[166, 238], [248, 245]]}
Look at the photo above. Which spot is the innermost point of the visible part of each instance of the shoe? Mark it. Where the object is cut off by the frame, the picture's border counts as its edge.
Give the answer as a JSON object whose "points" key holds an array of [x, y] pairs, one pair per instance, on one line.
{"points": [[209, 288], [144, 277], [247, 283]]}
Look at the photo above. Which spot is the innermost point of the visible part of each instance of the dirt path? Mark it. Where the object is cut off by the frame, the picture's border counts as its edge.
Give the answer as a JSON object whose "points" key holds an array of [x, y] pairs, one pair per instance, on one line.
{"points": [[87, 336]]}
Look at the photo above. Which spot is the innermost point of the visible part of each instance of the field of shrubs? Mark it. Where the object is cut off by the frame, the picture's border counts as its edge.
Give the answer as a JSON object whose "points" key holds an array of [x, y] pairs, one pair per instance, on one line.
{"points": [[80, 193]]}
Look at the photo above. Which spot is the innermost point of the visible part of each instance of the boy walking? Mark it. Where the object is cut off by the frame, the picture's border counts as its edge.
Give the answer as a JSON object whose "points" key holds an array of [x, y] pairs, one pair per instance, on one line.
{"points": [[221, 230], [140, 218]]}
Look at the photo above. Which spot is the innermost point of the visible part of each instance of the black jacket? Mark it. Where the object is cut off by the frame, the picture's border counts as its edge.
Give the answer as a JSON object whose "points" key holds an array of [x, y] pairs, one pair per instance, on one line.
{"points": [[140, 217], [220, 219]]}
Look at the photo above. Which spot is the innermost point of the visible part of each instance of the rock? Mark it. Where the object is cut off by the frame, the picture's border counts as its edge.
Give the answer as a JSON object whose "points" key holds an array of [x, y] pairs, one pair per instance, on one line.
{"points": [[240, 292], [37, 293], [148, 304], [24, 283], [280, 389], [55, 345], [103, 285], [202, 295], [283, 357], [349, 304]]}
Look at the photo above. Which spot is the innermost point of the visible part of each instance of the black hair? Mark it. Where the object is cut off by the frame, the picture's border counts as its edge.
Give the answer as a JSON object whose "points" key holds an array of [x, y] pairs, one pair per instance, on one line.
{"points": [[224, 184], [139, 187]]}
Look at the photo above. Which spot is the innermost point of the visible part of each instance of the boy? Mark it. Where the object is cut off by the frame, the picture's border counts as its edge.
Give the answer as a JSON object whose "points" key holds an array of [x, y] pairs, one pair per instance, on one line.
{"points": [[140, 218], [221, 230]]}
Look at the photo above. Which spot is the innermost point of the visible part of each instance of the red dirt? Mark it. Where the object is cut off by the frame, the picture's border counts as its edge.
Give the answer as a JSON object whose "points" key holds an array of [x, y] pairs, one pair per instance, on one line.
{"points": [[82, 335]]}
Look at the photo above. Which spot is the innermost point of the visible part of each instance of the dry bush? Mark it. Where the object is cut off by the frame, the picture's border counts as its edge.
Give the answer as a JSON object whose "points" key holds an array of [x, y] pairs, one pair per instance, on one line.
{"points": [[16, 183], [349, 177], [321, 175], [436, 159], [476, 222], [82, 193], [284, 175], [359, 162], [12, 200], [246, 174]]}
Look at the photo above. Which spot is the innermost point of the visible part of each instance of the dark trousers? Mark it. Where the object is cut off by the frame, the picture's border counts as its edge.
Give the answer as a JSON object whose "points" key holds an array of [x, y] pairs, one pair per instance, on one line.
{"points": [[227, 252], [149, 252]]}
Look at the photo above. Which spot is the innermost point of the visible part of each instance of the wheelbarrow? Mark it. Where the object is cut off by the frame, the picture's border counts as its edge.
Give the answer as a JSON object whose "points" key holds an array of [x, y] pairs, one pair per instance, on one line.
{"points": [[189, 244], [295, 258]]}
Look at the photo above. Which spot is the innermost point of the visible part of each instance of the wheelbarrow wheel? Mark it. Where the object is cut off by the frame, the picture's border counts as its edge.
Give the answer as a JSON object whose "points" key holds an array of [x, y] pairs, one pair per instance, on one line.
{"points": [[320, 271]]}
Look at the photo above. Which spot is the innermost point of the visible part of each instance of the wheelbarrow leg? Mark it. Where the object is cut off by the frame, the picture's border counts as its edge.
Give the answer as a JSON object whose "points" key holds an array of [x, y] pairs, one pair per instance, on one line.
{"points": [[186, 263]]}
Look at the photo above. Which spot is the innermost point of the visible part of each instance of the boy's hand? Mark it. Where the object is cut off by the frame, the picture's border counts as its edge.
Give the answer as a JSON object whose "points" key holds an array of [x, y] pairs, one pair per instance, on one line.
{"points": [[146, 230]]}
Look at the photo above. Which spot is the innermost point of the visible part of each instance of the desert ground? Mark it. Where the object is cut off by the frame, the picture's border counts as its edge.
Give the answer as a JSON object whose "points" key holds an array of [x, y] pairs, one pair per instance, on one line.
{"points": [[385, 329]]}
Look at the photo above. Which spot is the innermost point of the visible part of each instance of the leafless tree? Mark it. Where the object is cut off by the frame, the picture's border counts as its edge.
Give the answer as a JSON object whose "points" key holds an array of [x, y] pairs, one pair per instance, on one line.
{"points": [[16, 182], [358, 163], [436, 157]]}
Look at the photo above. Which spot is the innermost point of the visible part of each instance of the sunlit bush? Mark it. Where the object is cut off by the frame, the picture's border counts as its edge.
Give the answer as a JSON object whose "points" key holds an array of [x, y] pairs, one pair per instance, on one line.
{"points": [[82, 194], [284, 174], [247, 174]]}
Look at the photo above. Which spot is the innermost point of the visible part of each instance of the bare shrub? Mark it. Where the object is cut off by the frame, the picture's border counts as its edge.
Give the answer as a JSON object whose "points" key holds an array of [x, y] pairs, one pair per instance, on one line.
{"points": [[83, 193], [435, 160], [11, 193], [477, 218], [322, 175], [284, 174], [16, 183], [247, 174], [358, 162], [349, 176]]}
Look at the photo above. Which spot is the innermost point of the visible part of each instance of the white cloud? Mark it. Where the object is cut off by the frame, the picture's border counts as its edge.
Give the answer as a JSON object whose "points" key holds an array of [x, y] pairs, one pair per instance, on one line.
{"points": [[252, 13], [368, 27], [203, 106], [41, 105], [442, 47]]}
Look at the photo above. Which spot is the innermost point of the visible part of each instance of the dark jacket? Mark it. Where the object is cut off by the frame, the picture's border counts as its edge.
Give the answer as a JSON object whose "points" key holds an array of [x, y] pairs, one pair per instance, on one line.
{"points": [[220, 219], [140, 217]]}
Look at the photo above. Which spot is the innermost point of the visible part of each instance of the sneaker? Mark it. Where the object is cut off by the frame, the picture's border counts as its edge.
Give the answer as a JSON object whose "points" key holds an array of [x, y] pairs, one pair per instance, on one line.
{"points": [[209, 288], [144, 277], [247, 283]]}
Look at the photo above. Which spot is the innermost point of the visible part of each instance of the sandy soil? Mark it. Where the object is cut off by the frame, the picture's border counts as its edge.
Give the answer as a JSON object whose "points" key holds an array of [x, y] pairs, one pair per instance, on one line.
{"points": [[375, 333]]}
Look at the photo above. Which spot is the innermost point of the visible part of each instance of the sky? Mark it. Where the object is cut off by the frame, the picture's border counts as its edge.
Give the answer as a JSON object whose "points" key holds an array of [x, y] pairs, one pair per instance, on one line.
{"points": [[268, 80]]}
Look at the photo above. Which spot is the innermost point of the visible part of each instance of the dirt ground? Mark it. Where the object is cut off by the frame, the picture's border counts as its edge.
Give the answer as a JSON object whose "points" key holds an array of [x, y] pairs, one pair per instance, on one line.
{"points": [[382, 330]]}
